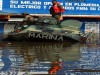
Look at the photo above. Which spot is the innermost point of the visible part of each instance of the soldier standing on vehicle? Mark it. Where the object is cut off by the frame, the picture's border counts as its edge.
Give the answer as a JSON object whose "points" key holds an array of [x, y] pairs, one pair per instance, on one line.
{"points": [[56, 11]]}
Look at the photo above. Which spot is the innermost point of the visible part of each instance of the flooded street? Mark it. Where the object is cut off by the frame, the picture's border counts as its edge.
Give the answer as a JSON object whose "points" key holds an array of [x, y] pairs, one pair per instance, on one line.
{"points": [[41, 57], [49, 37]]}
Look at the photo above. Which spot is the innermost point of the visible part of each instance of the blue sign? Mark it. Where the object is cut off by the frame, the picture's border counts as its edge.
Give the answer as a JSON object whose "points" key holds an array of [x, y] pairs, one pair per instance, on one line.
{"points": [[72, 7]]}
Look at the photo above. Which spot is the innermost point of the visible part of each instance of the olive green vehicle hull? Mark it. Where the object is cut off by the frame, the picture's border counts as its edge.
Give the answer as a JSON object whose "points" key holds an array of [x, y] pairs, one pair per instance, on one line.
{"points": [[69, 30], [43, 36]]}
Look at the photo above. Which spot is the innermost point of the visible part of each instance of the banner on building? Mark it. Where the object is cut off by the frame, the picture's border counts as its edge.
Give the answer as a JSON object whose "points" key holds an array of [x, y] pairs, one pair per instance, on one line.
{"points": [[72, 7]]}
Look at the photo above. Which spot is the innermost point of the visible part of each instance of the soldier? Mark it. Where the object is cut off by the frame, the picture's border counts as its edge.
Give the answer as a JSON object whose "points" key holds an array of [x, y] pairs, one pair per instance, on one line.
{"points": [[56, 11], [28, 19]]}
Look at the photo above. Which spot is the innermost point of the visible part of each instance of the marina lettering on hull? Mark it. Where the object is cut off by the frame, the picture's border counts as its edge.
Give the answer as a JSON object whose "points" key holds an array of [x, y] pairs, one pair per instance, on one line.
{"points": [[45, 36]]}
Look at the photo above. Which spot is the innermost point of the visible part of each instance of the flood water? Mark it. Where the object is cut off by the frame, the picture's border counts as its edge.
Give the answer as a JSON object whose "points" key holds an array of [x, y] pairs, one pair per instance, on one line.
{"points": [[30, 58]]}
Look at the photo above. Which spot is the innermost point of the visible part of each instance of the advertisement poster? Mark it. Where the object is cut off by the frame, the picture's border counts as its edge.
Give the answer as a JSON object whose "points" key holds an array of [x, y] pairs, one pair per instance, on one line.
{"points": [[72, 7]]}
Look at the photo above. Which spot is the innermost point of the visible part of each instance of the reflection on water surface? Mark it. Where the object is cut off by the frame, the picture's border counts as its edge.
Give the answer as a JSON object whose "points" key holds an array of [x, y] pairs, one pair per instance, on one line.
{"points": [[40, 57]]}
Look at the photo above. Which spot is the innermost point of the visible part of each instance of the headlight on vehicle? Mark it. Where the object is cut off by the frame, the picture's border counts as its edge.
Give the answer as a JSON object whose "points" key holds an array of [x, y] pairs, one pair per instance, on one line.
{"points": [[82, 34], [19, 27], [25, 26]]}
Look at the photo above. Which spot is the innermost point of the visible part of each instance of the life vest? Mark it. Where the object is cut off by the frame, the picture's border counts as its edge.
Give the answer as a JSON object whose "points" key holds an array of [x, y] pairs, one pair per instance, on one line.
{"points": [[57, 9]]}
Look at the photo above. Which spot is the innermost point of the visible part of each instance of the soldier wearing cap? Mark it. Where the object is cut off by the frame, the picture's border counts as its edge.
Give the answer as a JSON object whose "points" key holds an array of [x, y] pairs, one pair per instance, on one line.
{"points": [[28, 18]]}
